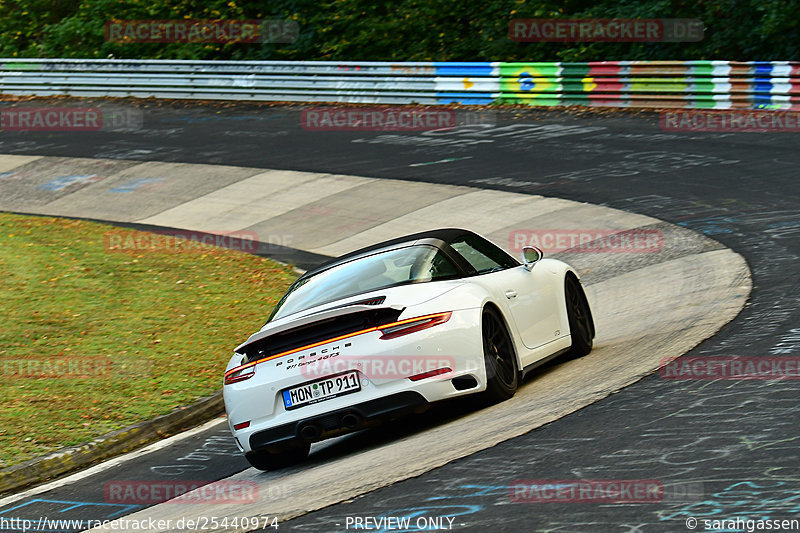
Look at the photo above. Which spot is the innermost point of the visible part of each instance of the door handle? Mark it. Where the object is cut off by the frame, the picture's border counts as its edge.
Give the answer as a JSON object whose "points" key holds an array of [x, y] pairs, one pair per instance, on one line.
{"points": [[511, 294]]}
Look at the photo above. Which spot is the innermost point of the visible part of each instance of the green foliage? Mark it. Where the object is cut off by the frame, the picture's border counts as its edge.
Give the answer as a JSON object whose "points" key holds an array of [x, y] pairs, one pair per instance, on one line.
{"points": [[401, 30]]}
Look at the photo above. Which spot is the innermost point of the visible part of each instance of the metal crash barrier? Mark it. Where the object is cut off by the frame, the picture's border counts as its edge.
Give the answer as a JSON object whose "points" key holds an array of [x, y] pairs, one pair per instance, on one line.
{"points": [[640, 84]]}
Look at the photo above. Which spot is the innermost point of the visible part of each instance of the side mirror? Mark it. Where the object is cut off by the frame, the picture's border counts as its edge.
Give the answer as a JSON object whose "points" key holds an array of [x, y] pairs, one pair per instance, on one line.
{"points": [[530, 256]]}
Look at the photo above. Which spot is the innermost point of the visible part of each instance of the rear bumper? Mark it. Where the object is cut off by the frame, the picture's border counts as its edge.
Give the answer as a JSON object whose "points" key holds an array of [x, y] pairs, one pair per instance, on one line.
{"points": [[339, 421]]}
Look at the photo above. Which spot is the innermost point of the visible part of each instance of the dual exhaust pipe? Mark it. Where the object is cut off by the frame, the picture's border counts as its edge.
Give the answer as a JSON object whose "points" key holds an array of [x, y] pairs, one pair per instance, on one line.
{"points": [[311, 432]]}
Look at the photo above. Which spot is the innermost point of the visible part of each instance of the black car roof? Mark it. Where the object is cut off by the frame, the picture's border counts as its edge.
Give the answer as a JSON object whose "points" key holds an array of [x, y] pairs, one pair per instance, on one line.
{"points": [[445, 235]]}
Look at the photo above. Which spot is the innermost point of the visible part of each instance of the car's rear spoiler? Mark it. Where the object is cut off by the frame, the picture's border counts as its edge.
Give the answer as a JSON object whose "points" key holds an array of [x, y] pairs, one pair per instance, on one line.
{"points": [[310, 318]]}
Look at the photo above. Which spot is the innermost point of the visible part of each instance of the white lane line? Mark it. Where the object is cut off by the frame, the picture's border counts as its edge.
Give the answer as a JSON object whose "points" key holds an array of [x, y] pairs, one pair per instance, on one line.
{"points": [[111, 463], [448, 160]]}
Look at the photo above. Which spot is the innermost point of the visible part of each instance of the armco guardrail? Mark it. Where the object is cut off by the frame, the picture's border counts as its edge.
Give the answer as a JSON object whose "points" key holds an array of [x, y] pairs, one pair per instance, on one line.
{"points": [[679, 84], [659, 84], [287, 81]]}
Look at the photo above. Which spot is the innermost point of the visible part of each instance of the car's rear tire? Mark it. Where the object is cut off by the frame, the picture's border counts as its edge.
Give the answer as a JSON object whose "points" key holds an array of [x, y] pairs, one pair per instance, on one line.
{"points": [[502, 372], [273, 460], [581, 324]]}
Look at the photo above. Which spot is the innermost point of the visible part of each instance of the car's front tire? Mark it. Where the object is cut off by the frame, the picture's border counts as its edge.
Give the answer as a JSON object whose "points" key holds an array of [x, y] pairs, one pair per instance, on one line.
{"points": [[273, 459], [502, 372]]}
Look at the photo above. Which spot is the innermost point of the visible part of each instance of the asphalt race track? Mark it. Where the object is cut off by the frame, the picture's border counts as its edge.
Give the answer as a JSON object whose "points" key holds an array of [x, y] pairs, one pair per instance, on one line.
{"points": [[638, 325], [729, 444]]}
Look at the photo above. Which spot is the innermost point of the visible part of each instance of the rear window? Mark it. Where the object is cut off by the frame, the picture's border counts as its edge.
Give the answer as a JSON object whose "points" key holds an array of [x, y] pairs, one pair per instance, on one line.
{"points": [[412, 264]]}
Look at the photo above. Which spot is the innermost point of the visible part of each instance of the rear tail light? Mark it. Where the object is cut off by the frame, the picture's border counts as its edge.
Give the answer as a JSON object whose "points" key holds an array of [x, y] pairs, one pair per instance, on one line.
{"points": [[388, 331], [430, 374], [240, 374], [411, 325]]}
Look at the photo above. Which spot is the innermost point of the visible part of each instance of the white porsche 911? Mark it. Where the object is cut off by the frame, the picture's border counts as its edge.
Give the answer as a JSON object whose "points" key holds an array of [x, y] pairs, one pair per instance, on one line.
{"points": [[384, 331]]}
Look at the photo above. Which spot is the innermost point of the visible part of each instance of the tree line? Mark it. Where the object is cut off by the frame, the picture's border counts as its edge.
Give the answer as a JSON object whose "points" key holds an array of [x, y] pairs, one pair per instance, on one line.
{"points": [[400, 30]]}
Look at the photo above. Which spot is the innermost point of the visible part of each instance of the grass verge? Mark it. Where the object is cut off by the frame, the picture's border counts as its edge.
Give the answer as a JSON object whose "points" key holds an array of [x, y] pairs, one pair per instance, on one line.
{"points": [[93, 339]]}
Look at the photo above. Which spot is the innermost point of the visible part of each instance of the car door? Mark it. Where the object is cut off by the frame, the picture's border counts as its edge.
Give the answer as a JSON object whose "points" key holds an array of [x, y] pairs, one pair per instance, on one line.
{"points": [[529, 296], [533, 304]]}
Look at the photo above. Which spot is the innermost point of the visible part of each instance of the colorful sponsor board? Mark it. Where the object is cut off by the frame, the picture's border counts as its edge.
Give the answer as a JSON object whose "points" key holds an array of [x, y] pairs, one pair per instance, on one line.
{"points": [[698, 84]]}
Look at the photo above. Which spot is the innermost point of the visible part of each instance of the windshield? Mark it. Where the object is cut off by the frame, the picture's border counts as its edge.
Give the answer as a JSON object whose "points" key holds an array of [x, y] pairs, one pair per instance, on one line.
{"points": [[412, 264]]}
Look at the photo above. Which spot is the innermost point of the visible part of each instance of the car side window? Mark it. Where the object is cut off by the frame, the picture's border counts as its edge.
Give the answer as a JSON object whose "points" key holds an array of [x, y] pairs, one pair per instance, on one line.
{"points": [[482, 255], [441, 267]]}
